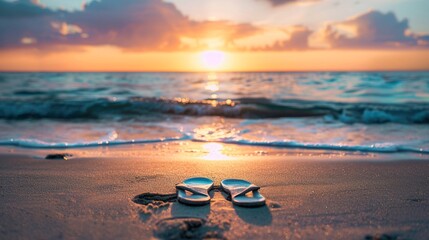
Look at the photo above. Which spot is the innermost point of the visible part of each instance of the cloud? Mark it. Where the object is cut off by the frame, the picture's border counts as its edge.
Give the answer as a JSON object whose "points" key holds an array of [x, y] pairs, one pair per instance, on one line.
{"points": [[22, 9], [128, 24], [276, 3], [24, 22], [155, 25], [150, 25], [298, 40], [131, 24], [225, 32], [373, 29]]}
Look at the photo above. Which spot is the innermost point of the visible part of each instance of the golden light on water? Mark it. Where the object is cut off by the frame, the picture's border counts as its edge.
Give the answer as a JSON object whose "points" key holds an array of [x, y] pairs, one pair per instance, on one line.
{"points": [[213, 59], [212, 84], [214, 152]]}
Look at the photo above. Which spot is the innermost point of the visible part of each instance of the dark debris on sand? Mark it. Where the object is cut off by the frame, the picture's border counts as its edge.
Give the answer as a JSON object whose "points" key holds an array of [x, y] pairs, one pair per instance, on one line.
{"points": [[59, 156], [384, 237]]}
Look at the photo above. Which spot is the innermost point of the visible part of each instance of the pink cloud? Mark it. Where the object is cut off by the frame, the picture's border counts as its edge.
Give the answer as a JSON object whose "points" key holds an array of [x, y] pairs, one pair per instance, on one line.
{"points": [[276, 3]]}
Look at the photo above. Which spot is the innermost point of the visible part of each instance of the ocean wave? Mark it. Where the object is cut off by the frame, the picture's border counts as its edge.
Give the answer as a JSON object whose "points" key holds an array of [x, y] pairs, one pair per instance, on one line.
{"points": [[34, 143], [374, 148], [245, 108]]}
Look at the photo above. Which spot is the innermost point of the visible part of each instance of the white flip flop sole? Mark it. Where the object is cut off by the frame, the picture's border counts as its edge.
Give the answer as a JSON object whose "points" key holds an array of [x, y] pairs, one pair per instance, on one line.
{"points": [[194, 191], [239, 191]]}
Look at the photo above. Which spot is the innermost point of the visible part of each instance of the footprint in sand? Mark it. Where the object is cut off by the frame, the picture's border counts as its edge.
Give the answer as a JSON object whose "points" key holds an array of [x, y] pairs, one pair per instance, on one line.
{"points": [[153, 203], [176, 227], [187, 228], [272, 204], [146, 198]]}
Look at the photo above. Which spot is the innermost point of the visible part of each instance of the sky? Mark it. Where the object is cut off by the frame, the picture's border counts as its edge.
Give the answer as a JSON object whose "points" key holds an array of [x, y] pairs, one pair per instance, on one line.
{"points": [[214, 35]]}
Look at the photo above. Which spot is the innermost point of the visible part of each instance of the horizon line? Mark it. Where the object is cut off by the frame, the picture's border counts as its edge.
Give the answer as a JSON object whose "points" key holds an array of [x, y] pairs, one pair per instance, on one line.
{"points": [[209, 71]]}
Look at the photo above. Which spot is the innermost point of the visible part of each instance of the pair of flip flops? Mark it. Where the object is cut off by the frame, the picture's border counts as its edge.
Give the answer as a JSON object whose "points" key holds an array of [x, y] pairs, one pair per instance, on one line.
{"points": [[242, 192]]}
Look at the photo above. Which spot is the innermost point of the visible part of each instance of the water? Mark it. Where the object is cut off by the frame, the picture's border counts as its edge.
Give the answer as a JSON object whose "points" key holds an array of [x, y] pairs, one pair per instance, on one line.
{"points": [[370, 112]]}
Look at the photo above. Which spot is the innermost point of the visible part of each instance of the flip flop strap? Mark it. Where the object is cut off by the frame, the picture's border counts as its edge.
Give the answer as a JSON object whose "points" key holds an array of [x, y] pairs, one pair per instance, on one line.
{"points": [[193, 189], [243, 191]]}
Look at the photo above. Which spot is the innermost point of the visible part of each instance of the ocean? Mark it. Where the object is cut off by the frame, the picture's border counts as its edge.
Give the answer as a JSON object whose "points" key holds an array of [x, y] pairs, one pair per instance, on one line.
{"points": [[385, 112]]}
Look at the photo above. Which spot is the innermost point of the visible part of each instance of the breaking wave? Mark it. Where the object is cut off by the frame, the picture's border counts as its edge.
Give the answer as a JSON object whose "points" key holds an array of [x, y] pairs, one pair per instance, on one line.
{"points": [[244, 108]]}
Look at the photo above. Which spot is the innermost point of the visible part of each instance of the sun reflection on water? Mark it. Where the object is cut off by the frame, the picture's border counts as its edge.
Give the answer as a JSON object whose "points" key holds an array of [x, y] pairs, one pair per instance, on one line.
{"points": [[214, 152], [212, 86], [212, 83]]}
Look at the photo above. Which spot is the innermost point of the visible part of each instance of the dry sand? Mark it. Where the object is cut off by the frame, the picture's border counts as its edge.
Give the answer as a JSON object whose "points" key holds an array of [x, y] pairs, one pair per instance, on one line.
{"points": [[311, 194]]}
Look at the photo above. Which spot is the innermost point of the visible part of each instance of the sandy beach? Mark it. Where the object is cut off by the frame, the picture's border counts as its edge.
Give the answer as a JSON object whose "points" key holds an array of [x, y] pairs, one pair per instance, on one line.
{"points": [[97, 194]]}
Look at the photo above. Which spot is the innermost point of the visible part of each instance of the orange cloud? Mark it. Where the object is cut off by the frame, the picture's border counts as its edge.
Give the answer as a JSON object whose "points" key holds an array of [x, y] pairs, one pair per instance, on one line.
{"points": [[298, 40], [226, 31]]}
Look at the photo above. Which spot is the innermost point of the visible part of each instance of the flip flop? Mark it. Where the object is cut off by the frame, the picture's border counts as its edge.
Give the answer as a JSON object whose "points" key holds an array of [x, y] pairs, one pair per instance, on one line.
{"points": [[199, 188], [238, 189]]}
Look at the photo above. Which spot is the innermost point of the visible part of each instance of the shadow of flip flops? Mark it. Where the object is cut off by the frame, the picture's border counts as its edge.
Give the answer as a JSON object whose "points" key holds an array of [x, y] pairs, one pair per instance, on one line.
{"points": [[182, 210], [260, 216]]}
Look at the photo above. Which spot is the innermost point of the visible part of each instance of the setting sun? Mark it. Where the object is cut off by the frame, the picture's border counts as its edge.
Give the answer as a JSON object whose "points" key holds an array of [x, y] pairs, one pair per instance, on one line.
{"points": [[212, 59]]}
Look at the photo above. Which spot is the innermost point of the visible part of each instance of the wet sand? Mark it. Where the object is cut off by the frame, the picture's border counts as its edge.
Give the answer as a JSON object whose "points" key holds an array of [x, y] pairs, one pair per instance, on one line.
{"points": [[310, 195]]}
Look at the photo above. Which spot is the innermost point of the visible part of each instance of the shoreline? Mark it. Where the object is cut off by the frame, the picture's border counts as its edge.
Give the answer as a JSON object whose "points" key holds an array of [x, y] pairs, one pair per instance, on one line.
{"points": [[218, 151], [310, 194]]}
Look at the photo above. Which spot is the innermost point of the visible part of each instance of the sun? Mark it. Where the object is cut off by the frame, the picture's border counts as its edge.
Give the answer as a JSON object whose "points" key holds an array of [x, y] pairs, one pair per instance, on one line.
{"points": [[212, 59]]}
